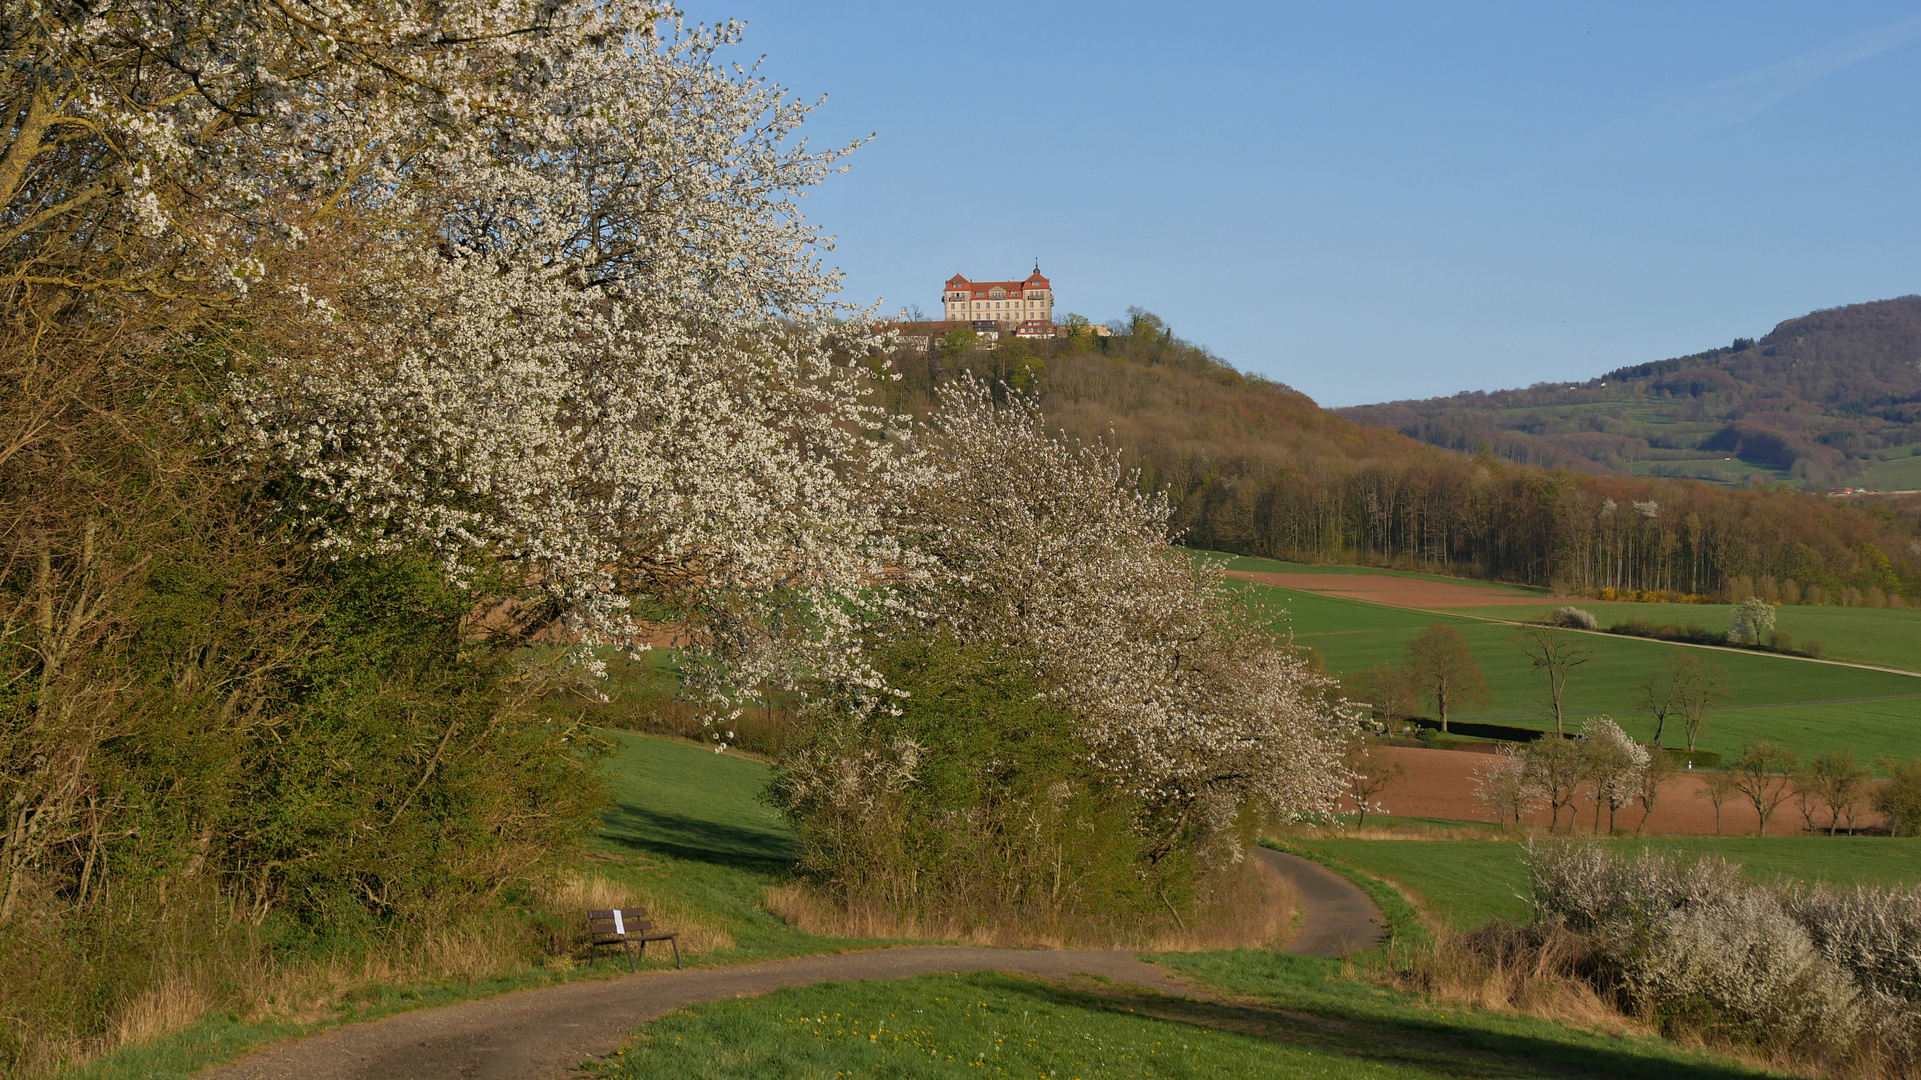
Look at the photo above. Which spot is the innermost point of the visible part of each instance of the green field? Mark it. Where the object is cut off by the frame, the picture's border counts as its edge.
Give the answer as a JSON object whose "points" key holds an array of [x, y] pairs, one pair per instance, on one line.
{"points": [[1472, 881], [1715, 470], [1811, 707], [1880, 636], [1899, 474], [1292, 1017]]}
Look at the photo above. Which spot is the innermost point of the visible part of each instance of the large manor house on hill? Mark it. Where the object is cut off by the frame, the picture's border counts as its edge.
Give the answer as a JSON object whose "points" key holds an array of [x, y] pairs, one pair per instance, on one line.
{"points": [[990, 309], [1025, 307]]}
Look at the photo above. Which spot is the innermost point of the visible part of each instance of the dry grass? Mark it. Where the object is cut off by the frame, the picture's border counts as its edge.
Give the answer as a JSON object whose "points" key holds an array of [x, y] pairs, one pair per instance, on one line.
{"points": [[173, 1005], [574, 894], [184, 985], [188, 977], [1544, 974], [1252, 906], [1505, 968]]}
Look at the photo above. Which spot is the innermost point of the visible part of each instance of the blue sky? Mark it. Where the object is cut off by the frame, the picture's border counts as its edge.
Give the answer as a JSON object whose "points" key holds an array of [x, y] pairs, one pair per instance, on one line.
{"points": [[1374, 201]]}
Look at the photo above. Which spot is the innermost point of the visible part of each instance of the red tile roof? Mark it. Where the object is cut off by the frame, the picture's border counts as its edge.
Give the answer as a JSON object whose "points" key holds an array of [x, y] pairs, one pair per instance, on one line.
{"points": [[1014, 289]]}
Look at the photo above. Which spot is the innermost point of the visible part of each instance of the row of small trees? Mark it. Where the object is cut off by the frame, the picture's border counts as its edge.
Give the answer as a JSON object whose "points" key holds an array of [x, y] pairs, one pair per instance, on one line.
{"points": [[1612, 770], [1607, 769]]}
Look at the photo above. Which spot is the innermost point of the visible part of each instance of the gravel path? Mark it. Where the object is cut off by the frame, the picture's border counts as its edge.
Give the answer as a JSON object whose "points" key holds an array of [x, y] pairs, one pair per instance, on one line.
{"points": [[1338, 917], [530, 1034]]}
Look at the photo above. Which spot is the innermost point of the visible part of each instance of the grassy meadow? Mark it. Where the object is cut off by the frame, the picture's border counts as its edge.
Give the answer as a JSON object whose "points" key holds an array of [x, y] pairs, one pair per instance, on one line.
{"points": [[1895, 474], [1885, 637], [1469, 882], [1811, 707], [1292, 1017], [1256, 565], [690, 823]]}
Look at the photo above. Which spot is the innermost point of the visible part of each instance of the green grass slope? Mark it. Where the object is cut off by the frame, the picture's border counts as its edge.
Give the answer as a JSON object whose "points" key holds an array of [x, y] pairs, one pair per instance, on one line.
{"points": [[1896, 474], [1291, 1017], [689, 832], [1472, 881]]}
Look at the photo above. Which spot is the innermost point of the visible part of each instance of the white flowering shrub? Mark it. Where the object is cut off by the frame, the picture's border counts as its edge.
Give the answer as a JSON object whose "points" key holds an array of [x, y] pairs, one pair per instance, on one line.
{"points": [[1573, 618], [1743, 965], [1815, 971], [1097, 723], [1591, 889], [1873, 933]]}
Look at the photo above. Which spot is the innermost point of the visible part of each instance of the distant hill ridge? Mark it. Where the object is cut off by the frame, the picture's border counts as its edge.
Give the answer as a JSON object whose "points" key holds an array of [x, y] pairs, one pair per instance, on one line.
{"points": [[1822, 400]]}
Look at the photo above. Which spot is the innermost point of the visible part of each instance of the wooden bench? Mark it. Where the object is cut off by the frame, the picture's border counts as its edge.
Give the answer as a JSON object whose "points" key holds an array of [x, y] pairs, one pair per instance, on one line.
{"points": [[626, 927]]}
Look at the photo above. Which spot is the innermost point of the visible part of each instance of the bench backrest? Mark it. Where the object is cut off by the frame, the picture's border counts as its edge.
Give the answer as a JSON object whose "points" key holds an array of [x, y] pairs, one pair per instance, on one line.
{"points": [[618, 922]]}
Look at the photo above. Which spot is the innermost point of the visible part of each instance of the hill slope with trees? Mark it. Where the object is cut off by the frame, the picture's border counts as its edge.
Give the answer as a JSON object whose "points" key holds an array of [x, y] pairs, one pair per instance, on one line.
{"points": [[1820, 401], [1256, 467]]}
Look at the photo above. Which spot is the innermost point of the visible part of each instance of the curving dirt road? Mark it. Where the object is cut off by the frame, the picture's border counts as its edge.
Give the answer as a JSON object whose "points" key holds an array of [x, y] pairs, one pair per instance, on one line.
{"points": [[530, 1034]]}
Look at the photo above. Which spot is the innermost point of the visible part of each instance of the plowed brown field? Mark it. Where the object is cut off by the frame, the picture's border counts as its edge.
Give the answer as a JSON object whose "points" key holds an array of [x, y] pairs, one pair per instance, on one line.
{"points": [[1440, 784]]}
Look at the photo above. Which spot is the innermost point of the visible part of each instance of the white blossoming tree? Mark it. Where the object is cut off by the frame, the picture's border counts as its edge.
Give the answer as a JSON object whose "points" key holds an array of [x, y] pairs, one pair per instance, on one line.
{"points": [[1506, 786], [1753, 619], [1186, 702], [584, 333], [1614, 764], [523, 283]]}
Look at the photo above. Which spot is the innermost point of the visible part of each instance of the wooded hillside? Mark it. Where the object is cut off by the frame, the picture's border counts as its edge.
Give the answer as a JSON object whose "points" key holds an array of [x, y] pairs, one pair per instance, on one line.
{"points": [[1256, 467], [1819, 402]]}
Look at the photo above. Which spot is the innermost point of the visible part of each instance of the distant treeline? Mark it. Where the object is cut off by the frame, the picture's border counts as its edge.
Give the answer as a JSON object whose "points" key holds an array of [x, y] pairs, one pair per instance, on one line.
{"points": [[1257, 468]]}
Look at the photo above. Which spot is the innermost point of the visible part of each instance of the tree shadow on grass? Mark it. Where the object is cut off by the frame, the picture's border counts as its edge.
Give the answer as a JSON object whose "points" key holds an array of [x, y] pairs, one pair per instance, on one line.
{"points": [[1433, 1043], [698, 840]]}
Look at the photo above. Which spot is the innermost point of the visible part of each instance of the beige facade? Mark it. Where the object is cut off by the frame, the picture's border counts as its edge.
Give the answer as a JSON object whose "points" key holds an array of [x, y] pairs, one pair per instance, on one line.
{"points": [[1007, 304]]}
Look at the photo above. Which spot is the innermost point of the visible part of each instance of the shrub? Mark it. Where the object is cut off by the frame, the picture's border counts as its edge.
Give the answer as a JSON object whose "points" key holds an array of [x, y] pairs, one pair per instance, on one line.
{"points": [[1875, 934], [974, 803], [1900, 797], [1573, 618], [1810, 972], [1741, 966]]}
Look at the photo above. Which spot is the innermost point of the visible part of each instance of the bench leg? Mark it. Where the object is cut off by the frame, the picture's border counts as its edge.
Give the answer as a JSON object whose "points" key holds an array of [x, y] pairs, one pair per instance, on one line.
{"points": [[629, 952], [675, 942]]}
